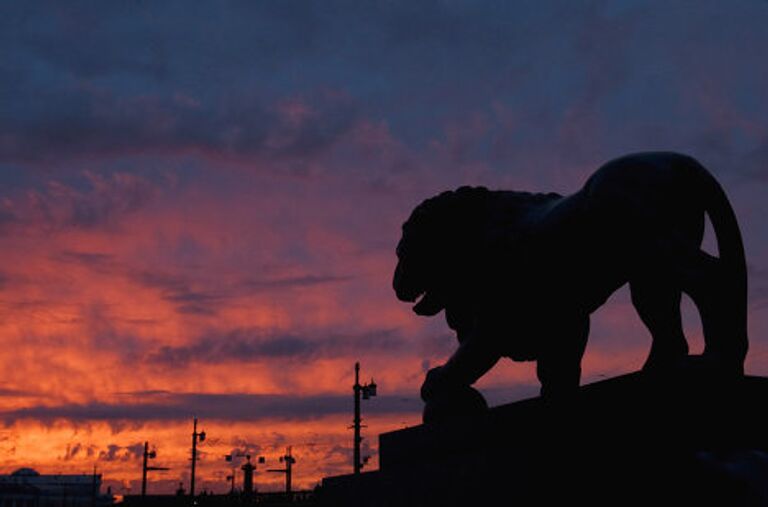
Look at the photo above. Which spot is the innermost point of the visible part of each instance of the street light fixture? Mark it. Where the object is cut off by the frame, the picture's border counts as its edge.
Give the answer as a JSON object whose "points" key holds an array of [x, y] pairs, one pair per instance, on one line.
{"points": [[366, 391], [289, 460], [248, 469], [145, 468], [196, 437]]}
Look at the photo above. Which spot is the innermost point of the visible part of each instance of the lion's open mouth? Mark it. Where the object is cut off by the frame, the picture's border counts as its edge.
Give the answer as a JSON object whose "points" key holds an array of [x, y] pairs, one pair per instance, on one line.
{"points": [[428, 304], [407, 294], [418, 297]]}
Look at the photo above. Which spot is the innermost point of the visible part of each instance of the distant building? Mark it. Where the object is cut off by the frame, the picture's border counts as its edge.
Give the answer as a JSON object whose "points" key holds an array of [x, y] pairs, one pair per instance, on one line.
{"points": [[27, 488]]}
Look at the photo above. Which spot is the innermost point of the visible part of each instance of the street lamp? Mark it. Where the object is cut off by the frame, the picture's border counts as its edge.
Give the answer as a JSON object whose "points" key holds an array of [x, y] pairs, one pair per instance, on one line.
{"points": [[195, 438], [367, 391], [144, 468], [248, 469], [289, 460]]}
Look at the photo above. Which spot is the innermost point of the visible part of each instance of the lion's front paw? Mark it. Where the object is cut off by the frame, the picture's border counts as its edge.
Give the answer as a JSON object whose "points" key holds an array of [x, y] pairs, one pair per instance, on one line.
{"points": [[433, 384]]}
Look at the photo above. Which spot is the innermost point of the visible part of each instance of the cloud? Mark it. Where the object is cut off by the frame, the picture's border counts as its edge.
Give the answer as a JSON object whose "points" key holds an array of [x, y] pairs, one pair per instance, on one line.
{"points": [[218, 406], [78, 450], [199, 295], [6, 392], [178, 290], [96, 261], [294, 282], [115, 452], [148, 97], [243, 448], [199, 202], [104, 125], [143, 393], [250, 344], [90, 201]]}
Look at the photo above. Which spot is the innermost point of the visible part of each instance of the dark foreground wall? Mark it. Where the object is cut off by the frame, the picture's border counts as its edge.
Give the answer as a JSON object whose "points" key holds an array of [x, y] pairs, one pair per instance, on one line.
{"points": [[272, 499], [631, 440]]}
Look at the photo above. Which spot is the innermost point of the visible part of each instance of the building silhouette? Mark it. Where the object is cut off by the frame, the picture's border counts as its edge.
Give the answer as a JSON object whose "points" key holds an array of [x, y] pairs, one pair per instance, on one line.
{"points": [[28, 488]]}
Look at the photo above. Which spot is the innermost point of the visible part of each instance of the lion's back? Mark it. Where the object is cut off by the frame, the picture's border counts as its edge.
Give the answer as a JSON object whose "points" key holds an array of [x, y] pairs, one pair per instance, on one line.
{"points": [[521, 249], [657, 182]]}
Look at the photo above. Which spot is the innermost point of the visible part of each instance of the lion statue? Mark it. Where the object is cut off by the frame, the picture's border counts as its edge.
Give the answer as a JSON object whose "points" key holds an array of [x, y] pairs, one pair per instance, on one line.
{"points": [[518, 274]]}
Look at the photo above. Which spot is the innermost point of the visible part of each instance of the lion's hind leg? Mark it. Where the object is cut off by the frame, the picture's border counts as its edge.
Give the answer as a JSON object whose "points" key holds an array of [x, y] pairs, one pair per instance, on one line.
{"points": [[711, 286], [715, 292], [658, 305]]}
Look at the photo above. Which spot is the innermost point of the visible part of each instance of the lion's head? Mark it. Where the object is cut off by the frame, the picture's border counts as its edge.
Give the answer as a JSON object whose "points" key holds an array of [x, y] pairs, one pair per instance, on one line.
{"points": [[435, 246]]}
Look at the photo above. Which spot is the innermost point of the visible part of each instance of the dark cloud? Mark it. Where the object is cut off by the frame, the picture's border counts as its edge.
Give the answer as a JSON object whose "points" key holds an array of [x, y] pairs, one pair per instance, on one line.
{"points": [[148, 392], [103, 331], [90, 200], [243, 345], [95, 261], [72, 451], [87, 258], [179, 290], [227, 407], [195, 295], [78, 449], [115, 452], [132, 89], [281, 82], [244, 448], [104, 126], [165, 406], [294, 282], [6, 392]]}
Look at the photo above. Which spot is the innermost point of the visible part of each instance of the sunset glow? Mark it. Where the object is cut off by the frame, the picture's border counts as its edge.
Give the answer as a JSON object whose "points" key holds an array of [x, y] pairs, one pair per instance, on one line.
{"points": [[199, 207]]}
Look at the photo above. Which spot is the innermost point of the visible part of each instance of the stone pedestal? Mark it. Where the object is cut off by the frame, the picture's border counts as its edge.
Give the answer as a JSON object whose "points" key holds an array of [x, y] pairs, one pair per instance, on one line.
{"points": [[630, 440]]}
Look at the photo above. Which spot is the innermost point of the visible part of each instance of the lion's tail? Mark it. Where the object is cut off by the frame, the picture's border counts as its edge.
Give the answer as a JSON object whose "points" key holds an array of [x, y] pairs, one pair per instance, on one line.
{"points": [[730, 245], [732, 264]]}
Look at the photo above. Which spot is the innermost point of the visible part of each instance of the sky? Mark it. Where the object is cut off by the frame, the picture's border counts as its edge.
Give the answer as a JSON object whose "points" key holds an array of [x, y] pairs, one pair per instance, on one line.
{"points": [[200, 202]]}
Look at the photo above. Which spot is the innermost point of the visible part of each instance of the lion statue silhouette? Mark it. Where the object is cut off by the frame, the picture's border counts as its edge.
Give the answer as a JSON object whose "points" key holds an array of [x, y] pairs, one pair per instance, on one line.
{"points": [[518, 274]]}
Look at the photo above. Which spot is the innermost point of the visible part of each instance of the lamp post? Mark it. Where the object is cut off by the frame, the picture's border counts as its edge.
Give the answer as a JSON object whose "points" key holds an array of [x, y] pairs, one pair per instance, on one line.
{"points": [[144, 468], [367, 391], [248, 469], [231, 479], [195, 438], [289, 460]]}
